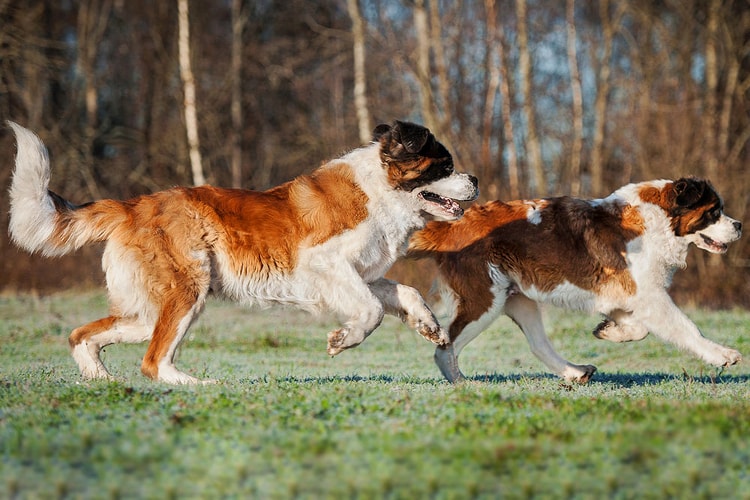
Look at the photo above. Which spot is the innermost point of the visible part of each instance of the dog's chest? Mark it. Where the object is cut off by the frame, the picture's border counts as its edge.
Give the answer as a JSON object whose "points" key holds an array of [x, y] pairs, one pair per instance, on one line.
{"points": [[382, 239]]}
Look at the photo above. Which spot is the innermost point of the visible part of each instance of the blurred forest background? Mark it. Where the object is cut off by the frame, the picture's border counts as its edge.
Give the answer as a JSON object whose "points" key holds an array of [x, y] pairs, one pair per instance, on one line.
{"points": [[535, 97]]}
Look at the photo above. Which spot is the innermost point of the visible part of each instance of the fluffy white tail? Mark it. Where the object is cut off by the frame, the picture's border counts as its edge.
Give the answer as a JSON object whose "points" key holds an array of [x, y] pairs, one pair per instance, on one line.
{"points": [[40, 220]]}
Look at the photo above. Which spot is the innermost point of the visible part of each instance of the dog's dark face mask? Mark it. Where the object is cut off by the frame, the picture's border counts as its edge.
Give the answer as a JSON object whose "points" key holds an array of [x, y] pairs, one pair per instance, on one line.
{"points": [[416, 162]]}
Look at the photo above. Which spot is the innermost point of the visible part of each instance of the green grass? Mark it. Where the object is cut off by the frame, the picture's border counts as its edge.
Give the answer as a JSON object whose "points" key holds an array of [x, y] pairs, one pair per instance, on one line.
{"points": [[374, 422]]}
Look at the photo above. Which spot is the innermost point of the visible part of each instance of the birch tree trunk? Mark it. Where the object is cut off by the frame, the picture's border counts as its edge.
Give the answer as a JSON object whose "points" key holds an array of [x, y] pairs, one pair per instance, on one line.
{"points": [[238, 24], [360, 81], [533, 147], [575, 88], [188, 84]]}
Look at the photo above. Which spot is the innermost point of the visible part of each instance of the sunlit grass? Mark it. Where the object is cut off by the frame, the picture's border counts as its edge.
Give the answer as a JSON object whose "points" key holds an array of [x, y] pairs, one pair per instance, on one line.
{"points": [[377, 421]]}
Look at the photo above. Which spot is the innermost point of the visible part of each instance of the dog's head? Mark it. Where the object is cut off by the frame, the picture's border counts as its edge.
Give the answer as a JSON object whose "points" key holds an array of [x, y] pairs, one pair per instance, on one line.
{"points": [[697, 213], [418, 164]]}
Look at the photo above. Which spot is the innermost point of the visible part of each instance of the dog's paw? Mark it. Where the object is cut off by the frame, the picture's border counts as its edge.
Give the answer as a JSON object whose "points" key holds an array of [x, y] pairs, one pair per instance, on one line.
{"points": [[609, 330], [731, 357], [336, 341], [435, 334], [579, 374], [722, 356], [445, 358], [344, 338]]}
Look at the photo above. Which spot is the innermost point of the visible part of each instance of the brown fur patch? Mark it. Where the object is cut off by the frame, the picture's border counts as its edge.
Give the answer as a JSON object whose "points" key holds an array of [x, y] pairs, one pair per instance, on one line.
{"points": [[260, 232], [329, 202], [82, 333], [402, 174], [663, 197], [477, 222], [569, 240]]}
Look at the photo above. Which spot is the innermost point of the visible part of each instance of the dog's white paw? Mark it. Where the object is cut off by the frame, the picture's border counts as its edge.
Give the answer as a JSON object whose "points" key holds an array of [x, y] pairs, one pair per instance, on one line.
{"points": [[336, 341], [609, 330], [342, 339], [731, 357], [722, 356], [435, 334], [580, 374]]}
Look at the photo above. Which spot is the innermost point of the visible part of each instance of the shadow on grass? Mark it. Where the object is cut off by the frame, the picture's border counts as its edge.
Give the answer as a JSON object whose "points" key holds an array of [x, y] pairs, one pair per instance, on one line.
{"points": [[332, 379], [617, 379], [621, 379]]}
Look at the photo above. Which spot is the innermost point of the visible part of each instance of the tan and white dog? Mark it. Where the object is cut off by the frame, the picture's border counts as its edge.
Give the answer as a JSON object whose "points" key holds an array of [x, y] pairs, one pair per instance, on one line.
{"points": [[614, 256], [321, 242]]}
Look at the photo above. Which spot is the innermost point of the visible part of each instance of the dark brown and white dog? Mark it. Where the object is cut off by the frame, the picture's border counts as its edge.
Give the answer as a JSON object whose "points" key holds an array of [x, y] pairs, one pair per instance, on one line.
{"points": [[321, 242], [614, 256]]}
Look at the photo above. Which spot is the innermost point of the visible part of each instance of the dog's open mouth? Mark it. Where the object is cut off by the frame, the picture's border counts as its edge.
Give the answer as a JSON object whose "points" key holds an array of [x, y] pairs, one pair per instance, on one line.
{"points": [[712, 245], [448, 206]]}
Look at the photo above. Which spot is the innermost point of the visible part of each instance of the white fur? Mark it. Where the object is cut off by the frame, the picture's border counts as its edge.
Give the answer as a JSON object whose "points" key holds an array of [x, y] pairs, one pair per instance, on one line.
{"points": [[33, 214]]}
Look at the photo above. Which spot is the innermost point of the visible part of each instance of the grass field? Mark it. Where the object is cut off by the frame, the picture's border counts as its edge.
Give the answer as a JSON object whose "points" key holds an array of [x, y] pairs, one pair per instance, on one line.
{"points": [[374, 422]]}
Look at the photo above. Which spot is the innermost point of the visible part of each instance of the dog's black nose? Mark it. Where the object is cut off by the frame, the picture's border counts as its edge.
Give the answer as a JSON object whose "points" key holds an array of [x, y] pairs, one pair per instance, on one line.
{"points": [[474, 180], [737, 225]]}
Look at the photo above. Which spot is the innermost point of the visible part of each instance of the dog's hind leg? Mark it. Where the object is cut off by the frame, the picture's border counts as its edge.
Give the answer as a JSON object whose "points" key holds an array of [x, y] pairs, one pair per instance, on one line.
{"points": [[407, 304], [87, 341], [525, 313], [179, 308], [472, 317]]}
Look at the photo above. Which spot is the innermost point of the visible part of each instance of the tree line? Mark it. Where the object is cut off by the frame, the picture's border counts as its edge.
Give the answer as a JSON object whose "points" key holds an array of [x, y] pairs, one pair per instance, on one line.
{"points": [[535, 97]]}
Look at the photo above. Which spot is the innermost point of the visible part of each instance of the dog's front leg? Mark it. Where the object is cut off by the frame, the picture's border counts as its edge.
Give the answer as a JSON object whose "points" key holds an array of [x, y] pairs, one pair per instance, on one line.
{"points": [[364, 312], [407, 304], [665, 320], [619, 326]]}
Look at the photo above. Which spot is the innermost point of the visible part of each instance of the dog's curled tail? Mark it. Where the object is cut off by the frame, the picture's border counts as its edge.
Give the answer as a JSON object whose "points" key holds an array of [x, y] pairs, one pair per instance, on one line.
{"points": [[42, 221]]}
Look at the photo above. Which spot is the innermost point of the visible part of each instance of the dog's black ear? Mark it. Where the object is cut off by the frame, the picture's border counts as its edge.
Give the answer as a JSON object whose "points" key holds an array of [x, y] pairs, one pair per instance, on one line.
{"points": [[412, 136], [380, 131], [688, 191]]}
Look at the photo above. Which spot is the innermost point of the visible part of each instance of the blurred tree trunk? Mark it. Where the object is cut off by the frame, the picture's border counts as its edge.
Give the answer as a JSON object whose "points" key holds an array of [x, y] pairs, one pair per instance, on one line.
{"points": [[445, 115], [238, 24], [730, 32], [602, 98], [533, 147], [493, 70], [577, 111], [709, 131], [423, 66], [188, 84], [514, 180], [93, 16], [360, 80], [739, 142]]}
